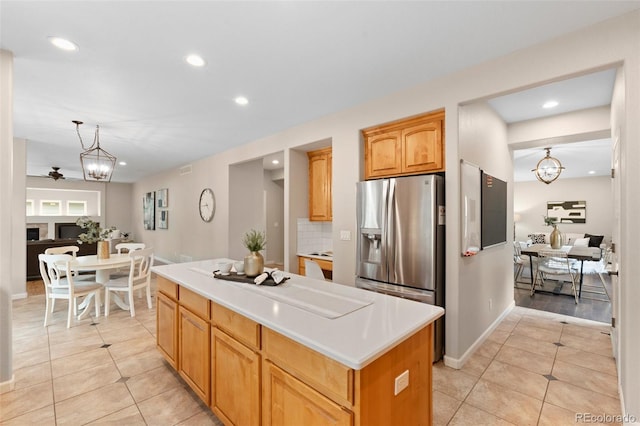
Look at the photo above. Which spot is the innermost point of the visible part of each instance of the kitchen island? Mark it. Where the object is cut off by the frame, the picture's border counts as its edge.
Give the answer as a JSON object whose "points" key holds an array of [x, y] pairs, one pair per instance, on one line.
{"points": [[304, 352]]}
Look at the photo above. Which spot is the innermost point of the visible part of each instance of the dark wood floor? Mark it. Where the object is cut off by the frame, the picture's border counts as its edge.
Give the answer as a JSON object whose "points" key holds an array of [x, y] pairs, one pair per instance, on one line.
{"points": [[593, 305]]}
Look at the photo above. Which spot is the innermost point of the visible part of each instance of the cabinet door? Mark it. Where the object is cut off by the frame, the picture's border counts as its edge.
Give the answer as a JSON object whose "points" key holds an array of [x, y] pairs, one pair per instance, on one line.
{"points": [[422, 149], [235, 388], [383, 154], [320, 185], [167, 332], [288, 401], [194, 347]]}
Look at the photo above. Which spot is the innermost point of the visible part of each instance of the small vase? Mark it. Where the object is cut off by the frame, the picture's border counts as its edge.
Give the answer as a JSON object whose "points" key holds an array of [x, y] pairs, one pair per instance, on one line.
{"points": [[253, 264], [103, 249], [555, 238]]}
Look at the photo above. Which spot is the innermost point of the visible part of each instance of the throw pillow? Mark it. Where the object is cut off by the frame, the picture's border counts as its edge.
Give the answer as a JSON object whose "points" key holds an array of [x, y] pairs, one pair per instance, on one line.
{"points": [[537, 238], [594, 240], [581, 242]]}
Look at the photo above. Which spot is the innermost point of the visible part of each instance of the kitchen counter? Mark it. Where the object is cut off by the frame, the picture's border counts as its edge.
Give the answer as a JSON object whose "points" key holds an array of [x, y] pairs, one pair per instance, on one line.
{"points": [[317, 256], [349, 325]]}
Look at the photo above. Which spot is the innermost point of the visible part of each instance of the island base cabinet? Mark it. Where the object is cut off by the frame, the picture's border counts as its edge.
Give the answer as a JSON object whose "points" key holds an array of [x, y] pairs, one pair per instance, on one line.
{"points": [[167, 328], [194, 345], [289, 402], [235, 387]]}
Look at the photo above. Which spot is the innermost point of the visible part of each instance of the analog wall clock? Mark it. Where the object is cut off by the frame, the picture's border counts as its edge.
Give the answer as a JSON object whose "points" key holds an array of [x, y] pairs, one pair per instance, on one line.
{"points": [[207, 205]]}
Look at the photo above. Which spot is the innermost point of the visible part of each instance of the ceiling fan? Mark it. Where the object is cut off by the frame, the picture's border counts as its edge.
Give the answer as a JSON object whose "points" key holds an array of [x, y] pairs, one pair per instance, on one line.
{"points": [[55, 174]]}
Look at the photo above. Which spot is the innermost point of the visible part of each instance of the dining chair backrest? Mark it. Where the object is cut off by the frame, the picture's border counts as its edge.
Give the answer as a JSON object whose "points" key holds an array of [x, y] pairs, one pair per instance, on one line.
{"points": [[141, 263], [313, 270], [73, 250], [129, 247], [53, 271], [555, 260]]}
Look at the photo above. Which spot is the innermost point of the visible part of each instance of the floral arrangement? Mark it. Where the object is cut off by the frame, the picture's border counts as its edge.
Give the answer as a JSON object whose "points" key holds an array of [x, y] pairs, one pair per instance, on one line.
{"points": [[254, 240], [93, 233], [550, 221]]}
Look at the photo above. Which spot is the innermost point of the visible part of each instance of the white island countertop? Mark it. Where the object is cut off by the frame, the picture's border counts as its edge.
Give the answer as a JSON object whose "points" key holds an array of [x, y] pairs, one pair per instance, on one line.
{"points": [[347, 324]]}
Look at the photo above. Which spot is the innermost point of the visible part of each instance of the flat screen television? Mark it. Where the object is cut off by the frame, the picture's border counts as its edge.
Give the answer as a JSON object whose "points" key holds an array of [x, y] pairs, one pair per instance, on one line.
{"points": [[65, 231], [33, 234]]}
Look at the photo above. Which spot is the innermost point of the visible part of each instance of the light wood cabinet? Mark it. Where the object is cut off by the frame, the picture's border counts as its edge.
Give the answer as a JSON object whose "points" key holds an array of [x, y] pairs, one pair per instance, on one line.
{"points": [[194, 346], [167, 320], [325, 265], [320, 187], [235, 385], [288, 401], [167, 328], [406, 147], [250, 375]]}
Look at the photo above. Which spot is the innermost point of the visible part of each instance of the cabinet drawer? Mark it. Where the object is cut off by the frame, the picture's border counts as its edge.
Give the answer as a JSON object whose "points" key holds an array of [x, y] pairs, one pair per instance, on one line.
{"points": [[195, 303], [324, 374], [238, 326], [167, 287]]}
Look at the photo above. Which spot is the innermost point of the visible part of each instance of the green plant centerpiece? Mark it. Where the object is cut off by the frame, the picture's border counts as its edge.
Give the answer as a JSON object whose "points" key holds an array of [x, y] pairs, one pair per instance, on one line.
{"points": [[254, 241], [93, 233], [555, 238]]}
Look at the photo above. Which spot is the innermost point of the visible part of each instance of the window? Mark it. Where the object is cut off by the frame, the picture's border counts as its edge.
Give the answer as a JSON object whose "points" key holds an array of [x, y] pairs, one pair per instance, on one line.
{"points": [[30, 211], [50, 208], [76, 208]]}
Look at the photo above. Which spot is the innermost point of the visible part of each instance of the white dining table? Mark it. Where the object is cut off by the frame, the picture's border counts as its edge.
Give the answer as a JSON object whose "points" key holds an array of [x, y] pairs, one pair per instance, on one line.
{"points": [[103, 268]]}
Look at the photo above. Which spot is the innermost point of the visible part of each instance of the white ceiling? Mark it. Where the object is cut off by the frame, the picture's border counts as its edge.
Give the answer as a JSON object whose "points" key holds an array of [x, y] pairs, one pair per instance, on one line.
{"points": [[580, 159], [294, 61]]}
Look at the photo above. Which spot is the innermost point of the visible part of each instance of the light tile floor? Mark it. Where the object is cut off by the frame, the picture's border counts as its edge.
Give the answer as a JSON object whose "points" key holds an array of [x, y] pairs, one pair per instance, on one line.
{"points": [[536, 368]]}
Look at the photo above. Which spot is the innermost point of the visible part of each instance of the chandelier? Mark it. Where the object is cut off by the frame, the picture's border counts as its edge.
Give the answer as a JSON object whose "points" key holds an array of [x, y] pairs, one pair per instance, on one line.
{"points": [[548, 169], [97, 164]]}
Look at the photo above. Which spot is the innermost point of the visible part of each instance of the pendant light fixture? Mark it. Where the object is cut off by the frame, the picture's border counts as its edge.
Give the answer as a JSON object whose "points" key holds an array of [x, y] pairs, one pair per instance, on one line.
{"points": [[97, 164], [548, 169]]}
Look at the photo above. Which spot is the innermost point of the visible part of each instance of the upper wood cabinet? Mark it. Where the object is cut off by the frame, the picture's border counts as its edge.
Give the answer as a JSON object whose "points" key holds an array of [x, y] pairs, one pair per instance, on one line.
{"points": [[320, 206], [406, 147]]}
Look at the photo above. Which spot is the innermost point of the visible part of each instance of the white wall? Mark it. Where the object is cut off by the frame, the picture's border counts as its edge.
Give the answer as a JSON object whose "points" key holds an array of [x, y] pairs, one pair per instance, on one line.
{"points": [[246, 201], [530, 203], [575, 126], [274, 213], [602, 45], [9, 248], [485, 288]]}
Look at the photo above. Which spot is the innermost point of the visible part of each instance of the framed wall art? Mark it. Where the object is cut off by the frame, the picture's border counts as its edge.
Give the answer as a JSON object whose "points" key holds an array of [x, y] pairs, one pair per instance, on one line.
{"points": [[163, 219], [567, 211], [162, 198], [149, 211]]}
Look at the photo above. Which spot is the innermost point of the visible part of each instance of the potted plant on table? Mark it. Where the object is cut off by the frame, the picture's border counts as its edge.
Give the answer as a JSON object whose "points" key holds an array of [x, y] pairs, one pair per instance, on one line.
{"points": [[254, 241], [93, 233]]}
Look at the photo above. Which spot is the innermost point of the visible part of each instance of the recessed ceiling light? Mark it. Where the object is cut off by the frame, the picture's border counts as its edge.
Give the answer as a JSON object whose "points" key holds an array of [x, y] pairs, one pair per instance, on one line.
{"points": [[550, 104], [592, 172], [275, 162], [123, 163], [241, 100], [195, 60], [62, 43]]}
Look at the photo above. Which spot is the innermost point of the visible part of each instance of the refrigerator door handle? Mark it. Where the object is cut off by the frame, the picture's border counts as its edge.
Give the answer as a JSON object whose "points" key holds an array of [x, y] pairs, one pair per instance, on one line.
{"points": [[391, 235]]}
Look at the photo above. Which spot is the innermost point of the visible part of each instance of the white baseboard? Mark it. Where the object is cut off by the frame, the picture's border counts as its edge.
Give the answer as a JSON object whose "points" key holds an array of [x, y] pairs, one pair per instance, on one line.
{"points": [[458, 363], [19, 296], [9, 385]]}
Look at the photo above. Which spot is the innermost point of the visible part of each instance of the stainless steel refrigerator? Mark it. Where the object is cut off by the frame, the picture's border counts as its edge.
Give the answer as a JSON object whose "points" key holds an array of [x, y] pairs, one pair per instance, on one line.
{"points": [[401, 241]]}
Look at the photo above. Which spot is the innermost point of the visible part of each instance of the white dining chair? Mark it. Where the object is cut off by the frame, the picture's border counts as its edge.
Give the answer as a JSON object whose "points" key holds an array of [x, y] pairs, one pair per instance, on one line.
{"points": [[129, 247], [139, 277], [556, 263], [123, 248], [313, 270], [59, 286]]}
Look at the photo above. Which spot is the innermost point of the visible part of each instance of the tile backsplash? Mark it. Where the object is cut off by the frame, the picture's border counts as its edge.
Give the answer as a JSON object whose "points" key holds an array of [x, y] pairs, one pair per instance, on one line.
{"points": [[314, 236]]}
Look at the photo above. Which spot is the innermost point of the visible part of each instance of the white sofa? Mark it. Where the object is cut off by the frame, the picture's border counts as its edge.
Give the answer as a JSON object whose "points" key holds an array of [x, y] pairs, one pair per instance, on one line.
{"points": [[568, 239]]}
